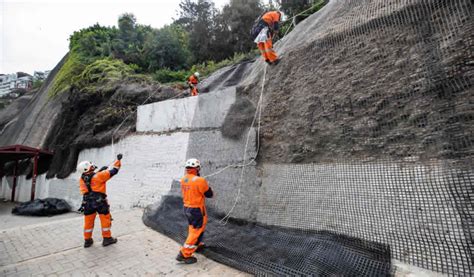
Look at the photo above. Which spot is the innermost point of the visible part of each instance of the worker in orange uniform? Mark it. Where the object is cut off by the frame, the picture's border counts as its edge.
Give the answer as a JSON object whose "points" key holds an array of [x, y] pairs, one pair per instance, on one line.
{"points": [[269, 25], [193, 80], [93, 188], [195, 190]]}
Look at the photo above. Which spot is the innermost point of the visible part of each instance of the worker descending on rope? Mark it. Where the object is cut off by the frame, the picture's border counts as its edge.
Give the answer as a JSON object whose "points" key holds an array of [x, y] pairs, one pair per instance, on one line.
{"points": [[93, 188], [263, 31], [193, 80], [195, 190]]}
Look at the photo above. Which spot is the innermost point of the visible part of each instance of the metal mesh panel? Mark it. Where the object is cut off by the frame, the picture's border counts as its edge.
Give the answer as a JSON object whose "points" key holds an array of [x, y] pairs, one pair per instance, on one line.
{"points": [[370, 143]]}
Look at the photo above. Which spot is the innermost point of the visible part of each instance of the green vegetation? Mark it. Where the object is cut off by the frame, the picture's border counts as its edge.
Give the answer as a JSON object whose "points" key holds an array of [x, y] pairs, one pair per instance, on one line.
{"points": [[68, 74], [37, 84], [202, 39]]}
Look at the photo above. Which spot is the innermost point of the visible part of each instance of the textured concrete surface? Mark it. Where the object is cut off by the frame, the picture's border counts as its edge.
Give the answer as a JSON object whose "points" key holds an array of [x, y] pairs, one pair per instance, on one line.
{"points": [[205, 111], [54, 248], [150, 164], [222, 161]]}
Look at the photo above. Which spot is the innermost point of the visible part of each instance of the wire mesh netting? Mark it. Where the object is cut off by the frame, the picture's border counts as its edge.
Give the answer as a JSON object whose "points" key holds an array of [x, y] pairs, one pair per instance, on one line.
{"points": [[263, 250], [366, 151]]}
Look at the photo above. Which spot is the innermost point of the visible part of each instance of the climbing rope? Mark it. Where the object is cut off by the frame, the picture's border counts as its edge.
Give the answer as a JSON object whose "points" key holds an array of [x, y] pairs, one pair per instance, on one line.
{"points": [[293, 19], [258, 114], [256, 119]]}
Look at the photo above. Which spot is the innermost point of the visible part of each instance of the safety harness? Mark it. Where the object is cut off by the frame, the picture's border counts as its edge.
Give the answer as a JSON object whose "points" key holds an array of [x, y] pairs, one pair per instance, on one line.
{"points": [[92, 195], [93, 201], [87, 179]]}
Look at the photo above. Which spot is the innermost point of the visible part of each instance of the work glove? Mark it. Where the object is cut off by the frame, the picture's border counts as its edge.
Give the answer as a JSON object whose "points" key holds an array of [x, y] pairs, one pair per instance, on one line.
{"points": [[119, 157], [103, 168]]}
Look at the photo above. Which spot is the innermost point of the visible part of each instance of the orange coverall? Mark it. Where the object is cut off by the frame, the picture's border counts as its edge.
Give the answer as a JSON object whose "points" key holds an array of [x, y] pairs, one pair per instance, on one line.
{"points": [[98, 185], [194, 189], [192, 82], [266, 48]]}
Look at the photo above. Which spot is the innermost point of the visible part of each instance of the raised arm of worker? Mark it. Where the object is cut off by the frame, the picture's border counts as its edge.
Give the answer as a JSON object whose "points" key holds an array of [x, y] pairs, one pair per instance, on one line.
{"points": [[112, 170]]}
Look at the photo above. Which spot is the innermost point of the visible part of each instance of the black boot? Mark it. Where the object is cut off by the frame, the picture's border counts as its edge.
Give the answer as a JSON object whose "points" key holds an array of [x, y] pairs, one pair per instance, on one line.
{"points": [[109, 241], [200, 247], [181, 258], [88, 243]]}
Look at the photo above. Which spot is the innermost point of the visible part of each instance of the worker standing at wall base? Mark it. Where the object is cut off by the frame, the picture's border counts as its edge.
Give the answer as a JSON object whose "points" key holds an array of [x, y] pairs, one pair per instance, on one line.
{"points": [[193, 81], [265, 28], [195, 190], [93, 188]]}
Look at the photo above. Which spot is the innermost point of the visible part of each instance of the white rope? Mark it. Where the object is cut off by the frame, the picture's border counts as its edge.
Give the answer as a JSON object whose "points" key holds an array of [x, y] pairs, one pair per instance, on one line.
{"points": [[293, 19], [258, 114]]}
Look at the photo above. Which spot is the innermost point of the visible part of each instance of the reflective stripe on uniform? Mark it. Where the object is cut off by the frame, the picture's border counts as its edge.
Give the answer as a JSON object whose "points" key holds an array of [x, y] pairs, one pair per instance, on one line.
{"points": [[194, 178], [189, 246], [88, 230], [106, 229]]}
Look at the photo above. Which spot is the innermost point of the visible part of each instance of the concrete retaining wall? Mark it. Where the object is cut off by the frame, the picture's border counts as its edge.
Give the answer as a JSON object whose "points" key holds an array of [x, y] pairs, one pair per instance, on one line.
{"points": [[206, 111]]}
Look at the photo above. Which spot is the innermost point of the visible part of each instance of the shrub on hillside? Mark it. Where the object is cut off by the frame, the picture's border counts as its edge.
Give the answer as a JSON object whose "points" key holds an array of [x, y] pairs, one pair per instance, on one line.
{"points": [[169, 76]]}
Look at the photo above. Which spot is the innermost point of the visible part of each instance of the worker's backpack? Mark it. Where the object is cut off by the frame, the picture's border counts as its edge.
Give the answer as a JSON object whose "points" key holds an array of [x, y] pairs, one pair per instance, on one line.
{"points": [[257, 26]]}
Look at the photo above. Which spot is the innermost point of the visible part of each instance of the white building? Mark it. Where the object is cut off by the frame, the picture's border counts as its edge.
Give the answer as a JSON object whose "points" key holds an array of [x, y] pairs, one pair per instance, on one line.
{"points": [[10, 82]]}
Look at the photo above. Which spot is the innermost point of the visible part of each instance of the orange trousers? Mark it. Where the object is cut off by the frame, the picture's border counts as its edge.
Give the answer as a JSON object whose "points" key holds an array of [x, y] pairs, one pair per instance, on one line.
{"points": [[194, 238], [194, 90], [105, 223], [266, 48]]}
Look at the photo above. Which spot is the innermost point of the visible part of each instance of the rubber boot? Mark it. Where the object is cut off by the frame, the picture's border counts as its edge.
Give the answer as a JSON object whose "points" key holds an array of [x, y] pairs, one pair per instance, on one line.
{"points": [[88, 243], [200, 247], [189, 260], [275, 62], [109, 241]]}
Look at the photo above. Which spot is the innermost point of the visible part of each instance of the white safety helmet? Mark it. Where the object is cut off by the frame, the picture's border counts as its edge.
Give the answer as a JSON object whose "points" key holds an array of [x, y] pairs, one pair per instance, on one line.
{"points": [[85, 166], [196, 74], [283, 16], [193, 163]]}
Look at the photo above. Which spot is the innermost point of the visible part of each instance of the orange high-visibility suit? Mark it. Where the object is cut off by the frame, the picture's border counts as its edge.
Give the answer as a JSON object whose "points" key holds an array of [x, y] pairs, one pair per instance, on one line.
{"points": [[95, 201], [194, 189], [272, 20], [192, 82]]}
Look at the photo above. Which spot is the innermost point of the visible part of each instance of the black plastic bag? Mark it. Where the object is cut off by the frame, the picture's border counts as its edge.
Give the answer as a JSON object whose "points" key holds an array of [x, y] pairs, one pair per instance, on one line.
{"points": [[42, 207]]}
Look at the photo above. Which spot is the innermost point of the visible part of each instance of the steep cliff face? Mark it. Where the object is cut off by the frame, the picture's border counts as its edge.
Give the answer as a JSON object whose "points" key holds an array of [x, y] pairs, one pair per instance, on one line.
{"points": [[29, 120], [370, 79]]}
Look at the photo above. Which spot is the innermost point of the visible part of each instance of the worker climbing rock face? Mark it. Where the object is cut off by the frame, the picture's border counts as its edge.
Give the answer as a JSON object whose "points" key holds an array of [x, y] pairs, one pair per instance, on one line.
{"points": [[195, 190], [93, 188], [265, 29], [193, 81]]}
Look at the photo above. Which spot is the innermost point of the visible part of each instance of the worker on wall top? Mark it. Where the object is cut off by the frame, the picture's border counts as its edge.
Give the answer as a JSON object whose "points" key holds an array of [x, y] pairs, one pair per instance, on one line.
{"points": [[193, 81], [195, 190], [93, 188], [264, 30]]}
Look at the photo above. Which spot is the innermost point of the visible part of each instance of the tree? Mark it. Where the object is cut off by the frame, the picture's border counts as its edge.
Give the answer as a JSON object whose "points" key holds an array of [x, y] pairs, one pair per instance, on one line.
{"points": [[92, 42], [167, 48], [198, 18], [129, 42], [240, 16]]}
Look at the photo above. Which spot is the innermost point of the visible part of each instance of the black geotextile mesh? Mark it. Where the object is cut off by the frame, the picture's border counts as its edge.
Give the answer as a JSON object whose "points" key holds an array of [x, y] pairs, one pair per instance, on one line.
{"points": [[367, 131], [271, 250]]}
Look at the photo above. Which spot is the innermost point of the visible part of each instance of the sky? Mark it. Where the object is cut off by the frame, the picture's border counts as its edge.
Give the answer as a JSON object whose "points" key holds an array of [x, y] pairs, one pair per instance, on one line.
{"points": [[34, 33]]}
